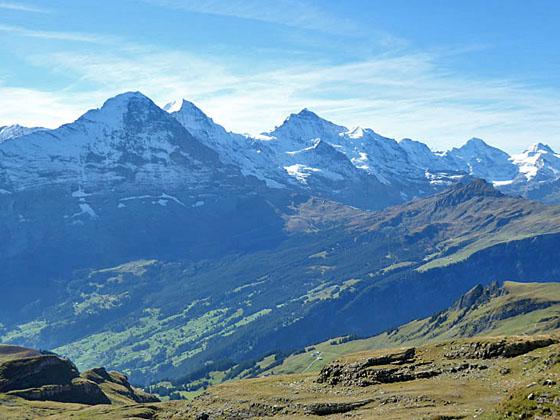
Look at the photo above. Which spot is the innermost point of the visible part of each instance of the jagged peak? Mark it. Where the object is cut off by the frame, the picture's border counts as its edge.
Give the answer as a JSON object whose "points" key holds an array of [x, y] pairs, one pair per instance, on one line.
{"points": [[113, 109], [540, 148], [306, 119], [13, 131], [11, 126], [465, 190], [357, 132], [193, 118], [306, 113], [478, 145], [184, 107], [415, 143], [476, 186], [476, 141], [479, 295], [127, 97]]}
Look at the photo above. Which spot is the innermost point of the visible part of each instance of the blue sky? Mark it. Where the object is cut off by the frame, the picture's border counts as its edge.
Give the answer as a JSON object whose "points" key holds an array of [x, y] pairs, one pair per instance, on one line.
{"points": [[438, 71]]}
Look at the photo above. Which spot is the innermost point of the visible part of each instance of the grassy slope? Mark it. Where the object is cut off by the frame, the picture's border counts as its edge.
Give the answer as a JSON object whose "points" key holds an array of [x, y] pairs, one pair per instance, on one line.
{"points": [[154, 319], [499, 389], [495, 388], [458, 324]]}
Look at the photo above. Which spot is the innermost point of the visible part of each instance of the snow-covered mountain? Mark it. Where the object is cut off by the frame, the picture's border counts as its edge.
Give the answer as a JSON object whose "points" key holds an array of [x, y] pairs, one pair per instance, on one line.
{"points": [[481, 160], [293, 156], [131, 179], [252, 157], [538, 163], [127, 176], [16, 130], [130, 140]]}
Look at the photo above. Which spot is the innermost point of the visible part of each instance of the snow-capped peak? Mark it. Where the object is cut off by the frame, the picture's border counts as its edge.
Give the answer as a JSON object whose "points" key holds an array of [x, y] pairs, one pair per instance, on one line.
{"points": [[356, 133], [476, 142], [479, 159], [173, 106], [306, 126], [540, 148], [196, 121], [538, 162], [113, 110], [16, 130]]}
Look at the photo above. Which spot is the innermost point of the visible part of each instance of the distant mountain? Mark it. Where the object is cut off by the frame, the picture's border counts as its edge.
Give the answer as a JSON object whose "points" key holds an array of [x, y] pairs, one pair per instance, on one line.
{"points": [[539, 174], [129, 139], [482, 161], [123, 181], [337, 270], [253, 158], [295, 156], [16, 130], [378, 158], [156, 242], [383, 172]]}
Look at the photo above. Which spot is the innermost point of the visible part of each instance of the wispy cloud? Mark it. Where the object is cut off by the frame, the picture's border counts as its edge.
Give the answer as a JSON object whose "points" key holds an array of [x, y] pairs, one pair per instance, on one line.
{"points": [[295, 13], [407, 95], [22, 7], [34, 107], [54, 35]]}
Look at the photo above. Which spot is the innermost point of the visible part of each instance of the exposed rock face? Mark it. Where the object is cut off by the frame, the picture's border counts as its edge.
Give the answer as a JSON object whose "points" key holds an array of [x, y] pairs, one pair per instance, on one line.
{"points": [[33, 372], [509, 347], [326, 409], [121, 384], [354, 375], [375, 370], [404, 365], [479, 295], [47, 377], [79, 390]]}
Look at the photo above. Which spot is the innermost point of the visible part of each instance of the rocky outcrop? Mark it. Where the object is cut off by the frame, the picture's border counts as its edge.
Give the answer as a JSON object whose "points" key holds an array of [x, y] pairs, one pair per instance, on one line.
{"points": [[33, 372], [355, 375], [478, 295], [120, 385], [507, 347], [328, 408], [376, 369], [79, 390], [48, 377], [401, 366]]}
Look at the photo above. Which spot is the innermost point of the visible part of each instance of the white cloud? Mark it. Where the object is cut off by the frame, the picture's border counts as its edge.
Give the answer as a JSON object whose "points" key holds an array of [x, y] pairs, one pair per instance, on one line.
{"points": [[406, 95], [294, 13], [54, 35], [22, 7], [31, 107]]}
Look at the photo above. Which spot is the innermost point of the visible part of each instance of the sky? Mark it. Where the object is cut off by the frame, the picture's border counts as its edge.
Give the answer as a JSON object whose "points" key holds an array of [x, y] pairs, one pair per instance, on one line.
{"points": [[433, 70]]}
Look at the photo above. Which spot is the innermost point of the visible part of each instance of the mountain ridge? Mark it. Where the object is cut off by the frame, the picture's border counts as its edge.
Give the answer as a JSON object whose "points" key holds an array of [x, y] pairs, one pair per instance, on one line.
{"points": [[407, 168]]}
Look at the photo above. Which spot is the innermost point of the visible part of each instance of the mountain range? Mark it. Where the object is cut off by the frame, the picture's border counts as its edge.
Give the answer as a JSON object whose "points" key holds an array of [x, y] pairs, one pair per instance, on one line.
{"points": [[156, 242], [305, 152]]}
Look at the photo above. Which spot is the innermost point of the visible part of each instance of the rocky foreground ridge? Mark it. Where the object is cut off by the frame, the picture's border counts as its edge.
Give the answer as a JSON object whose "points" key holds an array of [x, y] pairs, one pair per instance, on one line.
{"points": [[42, 376]]}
